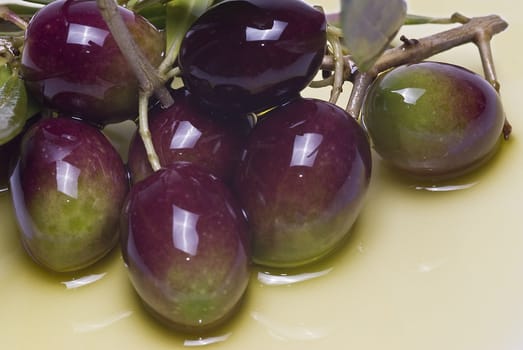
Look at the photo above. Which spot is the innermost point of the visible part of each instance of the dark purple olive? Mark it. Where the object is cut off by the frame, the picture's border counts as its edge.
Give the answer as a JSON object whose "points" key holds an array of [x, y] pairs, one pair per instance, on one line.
{"points": [[302, 181], [248, 55], [72, 63], [185, 245], [68, 189]]}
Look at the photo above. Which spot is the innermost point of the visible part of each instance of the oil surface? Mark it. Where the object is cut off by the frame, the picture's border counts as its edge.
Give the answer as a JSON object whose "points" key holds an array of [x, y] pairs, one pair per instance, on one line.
{"points": [[426, 267]]}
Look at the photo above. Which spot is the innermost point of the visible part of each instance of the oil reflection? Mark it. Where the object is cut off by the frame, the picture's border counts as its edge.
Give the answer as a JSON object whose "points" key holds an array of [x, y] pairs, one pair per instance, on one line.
{"points": [[278, 280], [185, 136], [56, 86], [271, 34], [96, 326], [430, 266], [445, 188], [67, 178], [83, 281], [206, 341], [184, 231], [305, 149], [86, 35], [410, 95], [284, 331]]}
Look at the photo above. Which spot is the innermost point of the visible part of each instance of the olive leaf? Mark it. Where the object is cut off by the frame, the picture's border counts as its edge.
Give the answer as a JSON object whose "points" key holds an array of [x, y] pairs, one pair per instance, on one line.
{"points": [[5, 72], [154, 13], [369, 26], [13, 105], [180, 15]]}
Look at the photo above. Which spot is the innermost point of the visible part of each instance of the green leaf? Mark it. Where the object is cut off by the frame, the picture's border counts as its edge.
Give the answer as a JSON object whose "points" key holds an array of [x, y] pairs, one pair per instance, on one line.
{"points": [[369, 26], [154, 12], [5, 72], [13, 105], [417, 19], [24, 7], [180, 15]]}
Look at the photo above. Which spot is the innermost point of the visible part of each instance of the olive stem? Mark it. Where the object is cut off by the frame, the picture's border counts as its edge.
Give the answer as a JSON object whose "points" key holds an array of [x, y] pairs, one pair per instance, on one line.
{"points": [[25, 4], [479, 30], [485, 52], [9, 16], [411, 19], [322, 83], [173, 73], [143, 130], [144, 71], [483, 41], [148, 77], [339, 63], [437, 43], [362, 81], [417, 20], [170, 57]]}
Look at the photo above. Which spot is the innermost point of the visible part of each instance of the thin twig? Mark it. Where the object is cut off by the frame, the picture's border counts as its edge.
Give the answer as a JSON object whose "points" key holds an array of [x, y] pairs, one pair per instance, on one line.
{"points": [[143, 129], [482, 41], [477, 30], [443, 41], [362, 81], [322, 83], [339, 69], [433, 44], [145, 73], [417, 20], [9, 16], [148, 77], [171, 56], [22, 3], [485, 51], [173, 73]]}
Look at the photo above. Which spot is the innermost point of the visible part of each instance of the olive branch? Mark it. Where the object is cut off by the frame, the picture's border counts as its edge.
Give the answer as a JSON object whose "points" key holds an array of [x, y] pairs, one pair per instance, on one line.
{"points": [[337, 63]]}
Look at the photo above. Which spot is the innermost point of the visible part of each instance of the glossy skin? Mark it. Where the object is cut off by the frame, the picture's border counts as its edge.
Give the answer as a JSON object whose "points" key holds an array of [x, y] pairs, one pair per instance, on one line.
{"points": [[433, 120], [187, 132], [302, 181], [185, 245], [247, 55], [71, 62], [68, 188]]}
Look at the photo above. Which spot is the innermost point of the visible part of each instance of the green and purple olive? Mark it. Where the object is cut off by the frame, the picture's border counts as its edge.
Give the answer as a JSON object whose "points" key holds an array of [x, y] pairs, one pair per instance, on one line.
{"points": [[433, 120], [68, 189], [185, 244]]}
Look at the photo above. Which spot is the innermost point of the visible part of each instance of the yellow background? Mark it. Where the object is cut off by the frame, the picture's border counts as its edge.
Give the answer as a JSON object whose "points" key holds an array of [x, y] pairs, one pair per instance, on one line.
{"points": [[423, 269]]}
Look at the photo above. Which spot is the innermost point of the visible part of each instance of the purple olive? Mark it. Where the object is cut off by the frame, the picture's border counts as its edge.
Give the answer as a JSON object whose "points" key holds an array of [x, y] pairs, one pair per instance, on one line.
{"points": [[187, 132], [302, 181], [72, 63]]}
